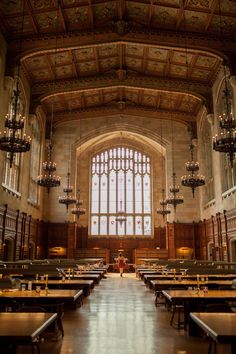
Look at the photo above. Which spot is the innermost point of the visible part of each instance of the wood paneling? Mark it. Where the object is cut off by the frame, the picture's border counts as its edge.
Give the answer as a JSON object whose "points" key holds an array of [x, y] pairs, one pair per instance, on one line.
{"points": [[30, 238]]}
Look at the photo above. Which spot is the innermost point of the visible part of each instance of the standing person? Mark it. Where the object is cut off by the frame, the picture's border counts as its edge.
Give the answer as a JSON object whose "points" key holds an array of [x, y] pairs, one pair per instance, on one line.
{"points": [[121, 263]]}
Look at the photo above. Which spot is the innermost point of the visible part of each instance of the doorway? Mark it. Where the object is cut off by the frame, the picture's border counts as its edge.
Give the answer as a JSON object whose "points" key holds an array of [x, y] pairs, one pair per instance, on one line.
{"points": [[8, 254], [233, 250]]}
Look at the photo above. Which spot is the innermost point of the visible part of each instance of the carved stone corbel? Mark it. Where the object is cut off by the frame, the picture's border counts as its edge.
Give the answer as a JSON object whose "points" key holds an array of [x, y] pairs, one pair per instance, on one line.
{"points": [[210, 118]]}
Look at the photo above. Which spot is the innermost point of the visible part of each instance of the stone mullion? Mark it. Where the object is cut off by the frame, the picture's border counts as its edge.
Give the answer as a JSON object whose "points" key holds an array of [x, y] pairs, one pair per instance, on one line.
{"points": [[125, 190], [99, 195], [117, 203], [142, 193]]}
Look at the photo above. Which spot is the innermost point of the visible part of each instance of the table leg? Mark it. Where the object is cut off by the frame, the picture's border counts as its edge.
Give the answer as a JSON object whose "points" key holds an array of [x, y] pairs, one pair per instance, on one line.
{"points": [[233, 348]]}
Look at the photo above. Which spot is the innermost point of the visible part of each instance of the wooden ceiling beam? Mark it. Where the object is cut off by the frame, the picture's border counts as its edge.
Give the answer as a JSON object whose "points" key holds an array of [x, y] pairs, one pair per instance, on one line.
{"points": [[168, 63], [83, 100], [52, 67], [140, 97], [136, 81], [150, 13], [144, 59], [158, 100], [90, 11], [96, 56], [31, 15], [133, 110], [210, 16], [121, 51], [199, 42], [181, 14], [74, 64], [61, 17], [191, 66], [121, 4]]}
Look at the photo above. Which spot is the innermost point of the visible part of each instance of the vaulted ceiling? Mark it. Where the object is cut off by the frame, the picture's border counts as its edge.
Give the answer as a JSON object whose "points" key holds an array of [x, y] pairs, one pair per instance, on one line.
{"points": [[85, 57]]}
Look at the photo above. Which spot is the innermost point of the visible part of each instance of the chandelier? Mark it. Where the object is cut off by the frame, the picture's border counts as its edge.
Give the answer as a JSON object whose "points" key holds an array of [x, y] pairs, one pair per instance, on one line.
{"points": [[226, 141], [78, 210], [13, 140], [48, 179], [163, 210], [67, 199], [163, 203], [174, 198], [192, 180]]}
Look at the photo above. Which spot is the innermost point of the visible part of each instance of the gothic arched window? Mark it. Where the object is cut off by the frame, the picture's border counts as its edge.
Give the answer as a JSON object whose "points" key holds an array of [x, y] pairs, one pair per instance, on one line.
{"points": [[11, 177], [121, 193], [228, 174], [206, 155], [35, 156]]}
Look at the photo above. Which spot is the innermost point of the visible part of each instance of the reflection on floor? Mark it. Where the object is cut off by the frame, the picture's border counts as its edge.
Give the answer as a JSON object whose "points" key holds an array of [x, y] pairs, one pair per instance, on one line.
{"points": [[119, 317]]}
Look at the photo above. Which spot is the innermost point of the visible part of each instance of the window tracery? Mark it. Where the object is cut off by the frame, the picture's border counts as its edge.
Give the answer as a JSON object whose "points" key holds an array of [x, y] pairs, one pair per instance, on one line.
{"points": [[121, 193]]}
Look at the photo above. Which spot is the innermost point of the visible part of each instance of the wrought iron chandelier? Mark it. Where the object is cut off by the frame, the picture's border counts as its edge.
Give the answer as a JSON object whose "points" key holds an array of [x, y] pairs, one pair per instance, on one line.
{"points": [[174, 198], [225, 141], [163, 210], [48, 179], [13, 140], [192, 180], [78, 210], [67, 199]]}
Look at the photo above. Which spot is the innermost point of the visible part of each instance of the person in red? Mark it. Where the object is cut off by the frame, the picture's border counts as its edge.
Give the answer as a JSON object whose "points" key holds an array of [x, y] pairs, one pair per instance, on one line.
{"points": [[121, 263]]}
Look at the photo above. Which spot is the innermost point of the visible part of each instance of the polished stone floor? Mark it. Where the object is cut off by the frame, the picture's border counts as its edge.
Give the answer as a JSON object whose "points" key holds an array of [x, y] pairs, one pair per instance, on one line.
{"points": [[119, 317]]}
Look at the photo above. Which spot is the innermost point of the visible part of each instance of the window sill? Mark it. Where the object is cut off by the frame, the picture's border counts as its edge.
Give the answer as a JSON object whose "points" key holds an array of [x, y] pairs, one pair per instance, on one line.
{"points": [[228, 193], [34, 205], [124, 237], [11, 191], [209, 204]]}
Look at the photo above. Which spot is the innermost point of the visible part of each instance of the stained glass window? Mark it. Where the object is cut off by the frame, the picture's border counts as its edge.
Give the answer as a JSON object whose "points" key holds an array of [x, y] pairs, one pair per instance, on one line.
{"points": [[121, 193], [35, 155]]}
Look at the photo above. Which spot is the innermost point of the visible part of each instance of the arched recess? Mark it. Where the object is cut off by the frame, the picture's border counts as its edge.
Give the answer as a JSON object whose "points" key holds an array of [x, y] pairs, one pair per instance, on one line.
{"points": [[91, 145], [89, 135], [138, 134], [228, 174], [210, 251], [31, 250], [232, 249], [9, 249]]}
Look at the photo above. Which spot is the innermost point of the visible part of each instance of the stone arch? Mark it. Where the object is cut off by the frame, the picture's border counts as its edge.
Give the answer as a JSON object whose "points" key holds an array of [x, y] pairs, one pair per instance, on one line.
{"points": [[232, 249], [32, 250], [9, 249], [210, 251]]}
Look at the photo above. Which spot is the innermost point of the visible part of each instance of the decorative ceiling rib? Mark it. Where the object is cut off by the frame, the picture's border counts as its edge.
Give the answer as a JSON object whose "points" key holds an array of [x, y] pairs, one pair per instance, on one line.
{"points": [[197, 16], [135, 56]]}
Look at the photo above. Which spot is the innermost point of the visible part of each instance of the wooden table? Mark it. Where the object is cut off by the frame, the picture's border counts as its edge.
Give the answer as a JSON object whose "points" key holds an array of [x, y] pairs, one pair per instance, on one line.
{"points": [[190, 299], [170, 283], [23, 328], [221, 327], [82, 284], [43, 297], [95, 277]]}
